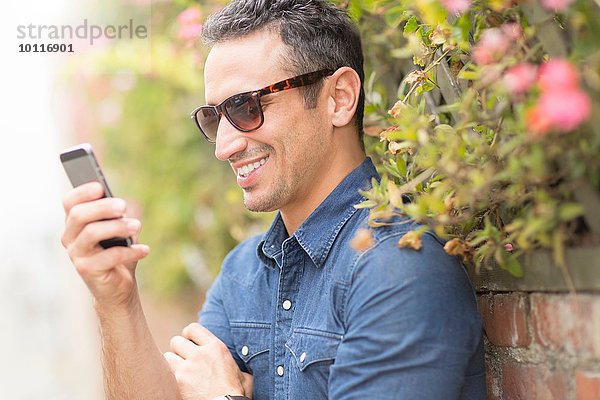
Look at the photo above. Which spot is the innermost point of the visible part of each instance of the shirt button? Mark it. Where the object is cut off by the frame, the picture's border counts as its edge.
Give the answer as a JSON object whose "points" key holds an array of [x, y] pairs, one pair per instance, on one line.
{"points": [[245, 350], [302, 357], [287, 305], [280, 370]]}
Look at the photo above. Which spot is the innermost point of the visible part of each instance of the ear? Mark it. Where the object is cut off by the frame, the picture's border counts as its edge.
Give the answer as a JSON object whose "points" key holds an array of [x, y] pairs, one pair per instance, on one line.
{"points": [[344, 93]]}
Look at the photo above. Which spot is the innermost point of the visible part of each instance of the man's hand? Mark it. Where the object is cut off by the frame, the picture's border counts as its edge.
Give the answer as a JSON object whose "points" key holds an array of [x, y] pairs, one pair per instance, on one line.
{"points": [[109, 274], [203, 366]]}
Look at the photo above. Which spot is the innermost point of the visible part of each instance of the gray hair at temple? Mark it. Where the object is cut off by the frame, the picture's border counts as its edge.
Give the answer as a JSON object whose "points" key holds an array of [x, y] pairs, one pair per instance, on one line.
{"points": [[318, 36]]}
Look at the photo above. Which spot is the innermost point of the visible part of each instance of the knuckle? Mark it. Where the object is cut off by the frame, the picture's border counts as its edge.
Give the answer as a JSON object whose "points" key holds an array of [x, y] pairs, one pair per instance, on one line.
{"points": [[63, 240], [74, 216], [188, 328], [220, 347], [66, 204], [173, 341], [81, 265], [179, 377], [86, 234]]}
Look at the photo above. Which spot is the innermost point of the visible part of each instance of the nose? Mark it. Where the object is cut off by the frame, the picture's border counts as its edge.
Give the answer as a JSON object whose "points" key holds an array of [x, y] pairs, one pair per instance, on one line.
{"points": [[230, 141]]}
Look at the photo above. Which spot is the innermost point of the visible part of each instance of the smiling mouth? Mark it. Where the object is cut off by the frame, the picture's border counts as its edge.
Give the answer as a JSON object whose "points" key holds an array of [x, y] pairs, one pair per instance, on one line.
{"points": [[247, 169]]}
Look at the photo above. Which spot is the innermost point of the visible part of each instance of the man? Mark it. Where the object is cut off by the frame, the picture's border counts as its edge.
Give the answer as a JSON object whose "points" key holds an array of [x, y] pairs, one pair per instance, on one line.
{"points": [[295, 313]]}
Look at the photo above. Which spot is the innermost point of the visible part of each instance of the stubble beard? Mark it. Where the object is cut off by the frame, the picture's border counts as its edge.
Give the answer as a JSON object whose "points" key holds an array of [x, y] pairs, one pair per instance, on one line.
{"points": [[270, 201], [283, 188]]}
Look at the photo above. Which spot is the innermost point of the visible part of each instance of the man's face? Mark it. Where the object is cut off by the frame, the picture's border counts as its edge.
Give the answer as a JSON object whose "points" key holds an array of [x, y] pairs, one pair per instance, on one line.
{"points": [[277, 166]]}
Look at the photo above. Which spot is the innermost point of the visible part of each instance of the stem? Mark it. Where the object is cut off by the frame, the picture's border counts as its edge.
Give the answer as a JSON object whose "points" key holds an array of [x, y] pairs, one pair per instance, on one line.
{"points": [[411, 185], [531, 51], [436, 62], [426, 70], [412, 89]]}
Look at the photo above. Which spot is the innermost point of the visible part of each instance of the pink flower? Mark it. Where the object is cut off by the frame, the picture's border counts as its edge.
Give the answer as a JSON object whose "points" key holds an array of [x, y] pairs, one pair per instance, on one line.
{"points": [[190, 26], [520, 78], [539, 124], [492, 45], [509, 247], [565, 110], [559, 5], [191, 15], [557, 75], [457, 6]]}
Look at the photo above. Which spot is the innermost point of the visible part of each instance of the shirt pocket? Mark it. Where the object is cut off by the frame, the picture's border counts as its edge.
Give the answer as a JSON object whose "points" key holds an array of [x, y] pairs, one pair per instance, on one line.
{"points": [[252, 344], [313, 351]]}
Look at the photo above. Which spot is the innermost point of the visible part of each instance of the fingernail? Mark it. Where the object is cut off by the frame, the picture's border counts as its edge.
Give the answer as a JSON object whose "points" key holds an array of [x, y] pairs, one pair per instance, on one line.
{"points": [[119, 205], [145, 249], [133, 225]]}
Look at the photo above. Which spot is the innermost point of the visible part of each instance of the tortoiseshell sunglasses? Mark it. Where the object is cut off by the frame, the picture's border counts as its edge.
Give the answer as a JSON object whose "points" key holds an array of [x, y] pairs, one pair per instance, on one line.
{"points": [[244, 110]]}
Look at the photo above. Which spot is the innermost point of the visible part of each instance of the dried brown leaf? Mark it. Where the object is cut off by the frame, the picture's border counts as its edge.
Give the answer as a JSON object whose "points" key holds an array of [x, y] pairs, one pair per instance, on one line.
{"points": [[411, 240], [362, 240]]}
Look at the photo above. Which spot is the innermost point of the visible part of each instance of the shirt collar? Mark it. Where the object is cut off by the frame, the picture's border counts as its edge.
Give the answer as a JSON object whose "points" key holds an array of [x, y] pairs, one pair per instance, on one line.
{"points": [[318, 232]]}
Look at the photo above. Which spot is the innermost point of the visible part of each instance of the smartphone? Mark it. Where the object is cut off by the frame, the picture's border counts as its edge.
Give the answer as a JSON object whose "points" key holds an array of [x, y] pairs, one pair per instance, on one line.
{"points": [[81, 167]]}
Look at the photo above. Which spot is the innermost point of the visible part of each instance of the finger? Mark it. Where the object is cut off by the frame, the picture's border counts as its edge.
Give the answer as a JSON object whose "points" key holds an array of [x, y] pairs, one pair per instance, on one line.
{"points": [[198, 334], [173, 360], [105, 260], [86, 192], [84, 213], [94, 232], [182, 347]]}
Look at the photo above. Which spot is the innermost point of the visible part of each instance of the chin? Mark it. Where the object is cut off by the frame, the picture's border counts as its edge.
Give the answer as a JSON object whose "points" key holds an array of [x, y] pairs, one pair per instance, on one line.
{"points": [[260, 204]]}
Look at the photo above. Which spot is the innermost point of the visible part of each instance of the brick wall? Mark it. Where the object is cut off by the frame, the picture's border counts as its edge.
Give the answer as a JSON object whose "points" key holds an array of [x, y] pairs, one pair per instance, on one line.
{"points": [[542, 345]]}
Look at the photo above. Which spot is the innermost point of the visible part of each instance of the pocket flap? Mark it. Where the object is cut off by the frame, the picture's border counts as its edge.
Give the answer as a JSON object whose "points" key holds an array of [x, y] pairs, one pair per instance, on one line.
{"points": [[310, 346], [251, 339]]}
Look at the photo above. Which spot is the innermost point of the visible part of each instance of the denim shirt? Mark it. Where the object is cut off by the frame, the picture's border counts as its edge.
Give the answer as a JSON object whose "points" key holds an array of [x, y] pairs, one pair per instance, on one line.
{"points": [[311, 318]]}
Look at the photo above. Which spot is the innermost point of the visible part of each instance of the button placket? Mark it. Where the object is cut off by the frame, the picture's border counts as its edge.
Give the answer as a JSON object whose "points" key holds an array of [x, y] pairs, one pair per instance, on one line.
{"points": [[291, 271]]}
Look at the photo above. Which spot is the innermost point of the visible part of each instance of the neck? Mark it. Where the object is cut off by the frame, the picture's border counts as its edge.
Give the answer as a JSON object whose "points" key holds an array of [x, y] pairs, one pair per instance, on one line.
{"points": [[294, 214]]}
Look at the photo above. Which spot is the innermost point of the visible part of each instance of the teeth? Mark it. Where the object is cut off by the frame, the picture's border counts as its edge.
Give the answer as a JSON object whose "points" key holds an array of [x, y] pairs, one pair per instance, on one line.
{"points": [[246, 169]]}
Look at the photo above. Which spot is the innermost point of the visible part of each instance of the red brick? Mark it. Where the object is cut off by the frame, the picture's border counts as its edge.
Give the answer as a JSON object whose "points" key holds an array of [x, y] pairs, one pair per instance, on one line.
{"points": [[533, 382], [567, 322], [505, 319], [587, 385]]}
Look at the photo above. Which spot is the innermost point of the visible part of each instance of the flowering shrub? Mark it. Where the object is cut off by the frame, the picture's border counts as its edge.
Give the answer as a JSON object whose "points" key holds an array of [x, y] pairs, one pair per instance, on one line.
{"points": [[492, 144], [494, 139]]}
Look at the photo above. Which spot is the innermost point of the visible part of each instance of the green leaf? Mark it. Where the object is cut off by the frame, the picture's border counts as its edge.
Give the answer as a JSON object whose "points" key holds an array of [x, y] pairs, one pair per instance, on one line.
{"points": [[401, 165], [569, 211], [395, 16], [427, 86], [401, 135], [444, 130], [469, 75], [402, 52], [513, 266], [366, 204], [411, 26]]}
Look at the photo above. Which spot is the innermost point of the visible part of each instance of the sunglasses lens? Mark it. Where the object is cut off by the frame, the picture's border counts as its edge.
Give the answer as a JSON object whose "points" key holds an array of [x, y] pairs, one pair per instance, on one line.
{"points": [[208, 120], [244, 112]]}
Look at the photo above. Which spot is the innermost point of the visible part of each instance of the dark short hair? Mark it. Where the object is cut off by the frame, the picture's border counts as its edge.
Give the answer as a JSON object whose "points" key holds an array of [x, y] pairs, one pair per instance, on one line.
{"points": [[318, 35]]}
